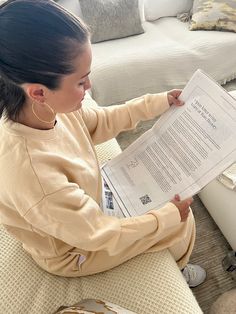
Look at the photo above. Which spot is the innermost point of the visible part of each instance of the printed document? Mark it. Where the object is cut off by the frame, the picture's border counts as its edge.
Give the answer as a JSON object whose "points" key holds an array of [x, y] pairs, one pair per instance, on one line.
{"points": [[185, 149]]}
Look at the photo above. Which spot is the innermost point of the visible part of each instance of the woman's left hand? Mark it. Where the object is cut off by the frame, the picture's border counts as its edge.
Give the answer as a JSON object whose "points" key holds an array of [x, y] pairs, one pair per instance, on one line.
{"points": [[173, 95]]}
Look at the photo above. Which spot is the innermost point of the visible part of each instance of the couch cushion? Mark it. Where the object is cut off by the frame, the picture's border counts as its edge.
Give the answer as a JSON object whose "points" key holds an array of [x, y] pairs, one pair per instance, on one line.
{"points": [[110, 19], [154, 9], [74, 7], [162, 58], [214, 15], [149, 283], [71, 5]]}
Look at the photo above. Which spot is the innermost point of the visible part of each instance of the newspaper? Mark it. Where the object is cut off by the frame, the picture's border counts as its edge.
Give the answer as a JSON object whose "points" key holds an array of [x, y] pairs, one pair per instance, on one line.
{"points": [[109, 204], [187, 147]]}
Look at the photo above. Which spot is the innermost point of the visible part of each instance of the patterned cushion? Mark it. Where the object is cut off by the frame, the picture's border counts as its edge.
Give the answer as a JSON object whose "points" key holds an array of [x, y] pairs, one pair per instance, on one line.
{"points": [[93, 306], [111, 19], [214, 15]]}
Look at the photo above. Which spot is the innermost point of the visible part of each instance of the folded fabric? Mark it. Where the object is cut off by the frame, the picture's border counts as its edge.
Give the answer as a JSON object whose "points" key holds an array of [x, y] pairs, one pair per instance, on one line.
{"points": [[228, 177], [154, 9], [93, 306]]}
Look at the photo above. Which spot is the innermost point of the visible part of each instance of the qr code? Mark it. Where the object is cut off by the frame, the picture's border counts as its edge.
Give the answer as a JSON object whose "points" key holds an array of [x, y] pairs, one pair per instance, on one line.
{"points": [[145, 199]]}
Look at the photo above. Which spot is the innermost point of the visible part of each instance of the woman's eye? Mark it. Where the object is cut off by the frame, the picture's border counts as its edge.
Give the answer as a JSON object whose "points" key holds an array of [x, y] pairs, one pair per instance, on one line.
{"points": [[81, 83]]}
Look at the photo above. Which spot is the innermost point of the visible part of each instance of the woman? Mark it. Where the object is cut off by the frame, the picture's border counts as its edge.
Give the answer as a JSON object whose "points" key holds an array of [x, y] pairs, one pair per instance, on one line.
{"points": [[50, 178]]}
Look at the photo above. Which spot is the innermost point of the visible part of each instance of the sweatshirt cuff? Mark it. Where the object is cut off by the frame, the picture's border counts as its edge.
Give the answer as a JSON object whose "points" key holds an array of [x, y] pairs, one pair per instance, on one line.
{"points": [[144, 224], [156, 104], [168, 216]]}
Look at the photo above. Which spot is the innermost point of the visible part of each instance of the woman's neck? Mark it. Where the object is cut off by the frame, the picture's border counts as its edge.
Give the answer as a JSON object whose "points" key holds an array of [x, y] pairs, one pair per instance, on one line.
{"points": [[28, 118]]}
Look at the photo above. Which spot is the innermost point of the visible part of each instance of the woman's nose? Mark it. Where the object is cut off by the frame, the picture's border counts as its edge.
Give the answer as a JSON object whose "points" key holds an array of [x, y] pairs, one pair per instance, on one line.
{"points": [[87, 84]]}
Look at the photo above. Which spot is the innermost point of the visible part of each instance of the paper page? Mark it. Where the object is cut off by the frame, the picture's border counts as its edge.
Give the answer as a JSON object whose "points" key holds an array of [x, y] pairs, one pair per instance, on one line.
{"points": [[186, 149]]}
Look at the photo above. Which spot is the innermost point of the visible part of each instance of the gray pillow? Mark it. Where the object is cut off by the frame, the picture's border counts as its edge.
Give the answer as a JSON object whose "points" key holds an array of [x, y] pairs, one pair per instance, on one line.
{"points": [[111, 19]]}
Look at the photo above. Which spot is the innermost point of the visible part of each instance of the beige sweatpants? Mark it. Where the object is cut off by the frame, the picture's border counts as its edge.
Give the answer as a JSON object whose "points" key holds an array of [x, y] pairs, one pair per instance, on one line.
{"points": [[180, 242]]}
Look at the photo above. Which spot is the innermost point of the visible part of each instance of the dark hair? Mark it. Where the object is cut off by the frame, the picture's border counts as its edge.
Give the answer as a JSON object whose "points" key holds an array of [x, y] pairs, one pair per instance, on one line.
{"points": [[39, 41]]}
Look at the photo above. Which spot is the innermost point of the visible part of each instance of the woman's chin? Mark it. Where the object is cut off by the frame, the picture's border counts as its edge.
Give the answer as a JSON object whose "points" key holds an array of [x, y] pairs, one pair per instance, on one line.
{"points": [[77, 106]]}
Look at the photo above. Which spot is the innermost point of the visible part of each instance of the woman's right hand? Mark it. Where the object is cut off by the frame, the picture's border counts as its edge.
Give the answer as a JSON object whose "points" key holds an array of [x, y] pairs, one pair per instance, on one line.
{"points": [[183, 206]]}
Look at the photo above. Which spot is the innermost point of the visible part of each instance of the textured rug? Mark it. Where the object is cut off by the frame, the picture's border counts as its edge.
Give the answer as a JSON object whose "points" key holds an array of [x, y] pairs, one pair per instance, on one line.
{"points": [[210, 247]]}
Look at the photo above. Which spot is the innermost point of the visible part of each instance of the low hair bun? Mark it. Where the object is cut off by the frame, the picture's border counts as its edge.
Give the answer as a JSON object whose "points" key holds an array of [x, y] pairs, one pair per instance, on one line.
{"points": [[12, 98]]}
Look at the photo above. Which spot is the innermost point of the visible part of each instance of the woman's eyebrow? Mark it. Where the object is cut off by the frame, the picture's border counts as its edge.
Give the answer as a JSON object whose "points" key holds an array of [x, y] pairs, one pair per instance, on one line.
{"points": [[86, 74]]}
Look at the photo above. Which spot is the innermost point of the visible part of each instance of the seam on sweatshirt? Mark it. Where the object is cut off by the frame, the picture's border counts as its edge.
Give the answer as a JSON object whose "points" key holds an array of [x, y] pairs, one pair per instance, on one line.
{"points": [[47, 195], [27, 151]]}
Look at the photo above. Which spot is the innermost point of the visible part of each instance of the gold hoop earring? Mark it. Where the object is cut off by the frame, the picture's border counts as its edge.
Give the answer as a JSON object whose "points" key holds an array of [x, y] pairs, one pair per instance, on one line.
{"points": [[44, 121]]}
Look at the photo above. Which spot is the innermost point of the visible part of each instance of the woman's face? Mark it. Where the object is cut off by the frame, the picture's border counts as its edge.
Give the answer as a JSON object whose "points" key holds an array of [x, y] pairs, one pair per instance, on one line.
{"points": [[73, 86]]}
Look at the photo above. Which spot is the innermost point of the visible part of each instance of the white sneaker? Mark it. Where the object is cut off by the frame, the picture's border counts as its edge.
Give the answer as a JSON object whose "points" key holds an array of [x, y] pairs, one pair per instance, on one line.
{"points": [[194, 275]]}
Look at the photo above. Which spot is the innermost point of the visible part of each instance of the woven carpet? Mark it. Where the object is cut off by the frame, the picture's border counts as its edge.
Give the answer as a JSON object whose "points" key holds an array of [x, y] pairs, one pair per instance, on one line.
{"points": [[210, 246]]}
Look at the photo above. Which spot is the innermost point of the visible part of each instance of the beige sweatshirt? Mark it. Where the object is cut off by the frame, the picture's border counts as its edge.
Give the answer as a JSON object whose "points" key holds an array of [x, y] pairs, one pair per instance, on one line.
{"points": [[50, 190]]}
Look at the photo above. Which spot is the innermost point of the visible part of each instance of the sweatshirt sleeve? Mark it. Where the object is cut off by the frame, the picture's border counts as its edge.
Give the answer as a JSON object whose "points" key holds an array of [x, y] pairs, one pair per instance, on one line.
{"points": [[104, 123], [75, 218]]}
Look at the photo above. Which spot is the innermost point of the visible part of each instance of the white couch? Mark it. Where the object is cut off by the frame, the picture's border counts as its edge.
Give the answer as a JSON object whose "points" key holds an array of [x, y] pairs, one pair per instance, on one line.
{"points": [[163, 57]]}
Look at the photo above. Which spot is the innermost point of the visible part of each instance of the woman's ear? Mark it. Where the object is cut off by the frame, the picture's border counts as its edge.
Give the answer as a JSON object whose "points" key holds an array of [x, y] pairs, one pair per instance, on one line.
{"points": [[36, 92]]}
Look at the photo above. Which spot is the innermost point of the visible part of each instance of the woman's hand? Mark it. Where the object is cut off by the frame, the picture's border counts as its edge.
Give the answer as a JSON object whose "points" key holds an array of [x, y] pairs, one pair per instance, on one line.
{"points": [[173, 97], [183, 206]]}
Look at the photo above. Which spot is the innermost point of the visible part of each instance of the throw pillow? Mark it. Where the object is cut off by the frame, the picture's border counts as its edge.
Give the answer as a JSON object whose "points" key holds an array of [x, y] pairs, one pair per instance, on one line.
{"points": [[226, 303], [72, 6], [214, 15], [154, 9], [111, 19], [93, 306]]}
